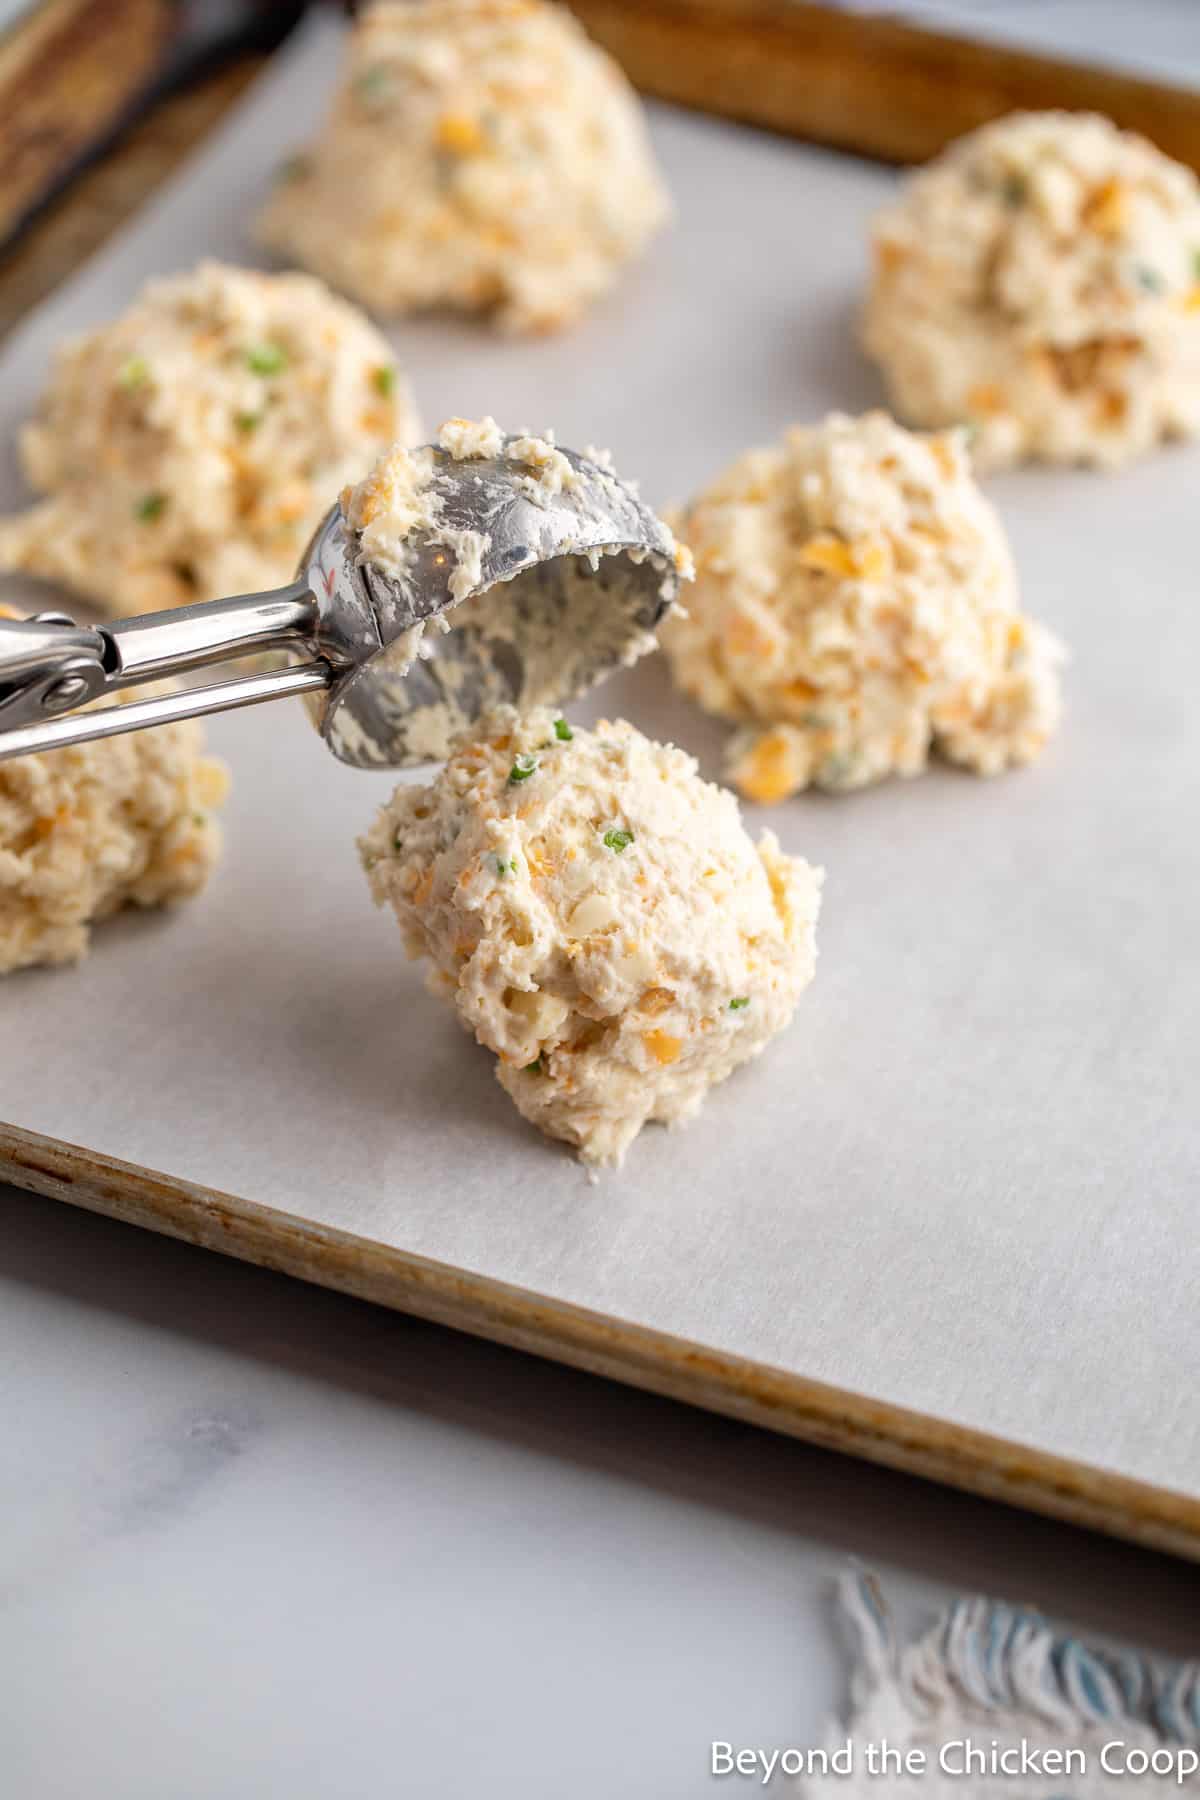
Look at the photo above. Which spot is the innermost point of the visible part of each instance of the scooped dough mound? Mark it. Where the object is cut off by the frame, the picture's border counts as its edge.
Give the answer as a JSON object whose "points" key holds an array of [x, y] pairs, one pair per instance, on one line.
{"points": [[480, 154], [126, 821], [855, 606], [598, 917], [1040, 280], [188, 449]]}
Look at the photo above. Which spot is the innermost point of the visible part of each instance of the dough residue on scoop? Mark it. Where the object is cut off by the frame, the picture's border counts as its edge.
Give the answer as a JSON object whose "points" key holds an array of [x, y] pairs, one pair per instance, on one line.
{"points": [[400, 507], [396, 500], [480, 154], [1040, 280], [856, 607], [599, 919], [187, 450], [465, 438]]}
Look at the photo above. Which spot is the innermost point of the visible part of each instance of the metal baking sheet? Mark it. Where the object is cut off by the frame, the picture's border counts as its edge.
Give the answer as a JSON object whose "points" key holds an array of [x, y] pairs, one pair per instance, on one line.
{"points": [[962, 1187]]}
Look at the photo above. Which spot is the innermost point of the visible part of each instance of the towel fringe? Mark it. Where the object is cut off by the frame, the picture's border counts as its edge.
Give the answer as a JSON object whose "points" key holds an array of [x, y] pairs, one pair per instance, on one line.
{"points": [[1005, 1660]]}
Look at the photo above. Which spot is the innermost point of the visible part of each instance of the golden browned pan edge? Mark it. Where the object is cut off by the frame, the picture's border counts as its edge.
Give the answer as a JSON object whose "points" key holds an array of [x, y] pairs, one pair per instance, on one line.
{"points": [[111, 190], [68, 70], [654, 1360], [873, 85]]}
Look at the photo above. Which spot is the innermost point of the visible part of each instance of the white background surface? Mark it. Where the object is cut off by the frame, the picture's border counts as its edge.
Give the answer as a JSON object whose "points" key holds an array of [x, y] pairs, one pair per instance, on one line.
{"points": [[261, 1542], [963, 1180], [264, 1543]]}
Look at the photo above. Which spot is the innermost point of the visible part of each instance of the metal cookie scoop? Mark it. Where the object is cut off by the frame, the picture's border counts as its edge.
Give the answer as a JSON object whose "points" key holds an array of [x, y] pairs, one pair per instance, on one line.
{"points": [[568, 585]]}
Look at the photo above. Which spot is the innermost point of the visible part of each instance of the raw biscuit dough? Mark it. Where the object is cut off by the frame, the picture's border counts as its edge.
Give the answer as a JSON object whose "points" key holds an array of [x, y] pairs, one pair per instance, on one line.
{"points": [[188, 449], [855, 606], [480, 154], [598, 917], [124, 821], [1041, 281]]}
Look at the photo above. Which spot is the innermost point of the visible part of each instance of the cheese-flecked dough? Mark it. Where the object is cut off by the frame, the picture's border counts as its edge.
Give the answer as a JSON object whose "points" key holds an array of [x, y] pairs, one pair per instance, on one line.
{"points": [[1040, 280], [482, 155], [855, 607], [124, 821], [599, 918], [188, 449]]}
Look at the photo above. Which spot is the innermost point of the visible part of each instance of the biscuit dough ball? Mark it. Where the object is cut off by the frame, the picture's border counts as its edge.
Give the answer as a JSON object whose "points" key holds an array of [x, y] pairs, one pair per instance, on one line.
{"points": [[188, 449], [599, 919], [854, 607], [125, 821], [1040, 280], [480, 154]]}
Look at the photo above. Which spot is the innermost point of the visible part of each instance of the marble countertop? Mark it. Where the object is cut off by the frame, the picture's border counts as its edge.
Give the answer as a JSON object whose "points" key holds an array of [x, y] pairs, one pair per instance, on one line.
{"points": [[262, 1541]]}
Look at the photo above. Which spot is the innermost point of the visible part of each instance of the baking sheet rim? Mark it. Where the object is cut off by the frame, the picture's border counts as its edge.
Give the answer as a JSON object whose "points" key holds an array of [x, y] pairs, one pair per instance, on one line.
{"points": [[601, 1344]]}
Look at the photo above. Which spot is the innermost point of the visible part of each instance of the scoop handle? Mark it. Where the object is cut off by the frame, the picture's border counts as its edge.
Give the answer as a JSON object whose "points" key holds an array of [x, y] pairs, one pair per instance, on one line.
{"points": [[160, 644], [50, 668], [164, 709]]}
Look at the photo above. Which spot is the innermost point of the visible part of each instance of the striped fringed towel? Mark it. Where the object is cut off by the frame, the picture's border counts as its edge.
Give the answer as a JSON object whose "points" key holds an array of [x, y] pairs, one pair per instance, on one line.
{"points": [[992, 1704]]}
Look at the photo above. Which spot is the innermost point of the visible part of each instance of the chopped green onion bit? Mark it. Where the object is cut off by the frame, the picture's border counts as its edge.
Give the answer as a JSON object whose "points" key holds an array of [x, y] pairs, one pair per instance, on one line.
{"points": [[738, 1001], [266, 359], [523, 767], [247, 422], [562, 731], [134, 371], [533, 1068], [618, 840], [835, 770], [151, 506], [373, 80], [506, 865], [383, 380]]}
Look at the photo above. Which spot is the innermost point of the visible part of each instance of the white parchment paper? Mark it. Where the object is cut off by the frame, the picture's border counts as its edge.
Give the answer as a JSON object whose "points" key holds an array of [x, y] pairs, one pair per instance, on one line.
{"points": [[965, 1180]]}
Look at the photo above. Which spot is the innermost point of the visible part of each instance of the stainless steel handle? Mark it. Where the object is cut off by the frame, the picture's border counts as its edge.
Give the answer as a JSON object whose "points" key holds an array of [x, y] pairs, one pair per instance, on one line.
{"points": [[155, 645], [165, 709], [49, 666]]}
